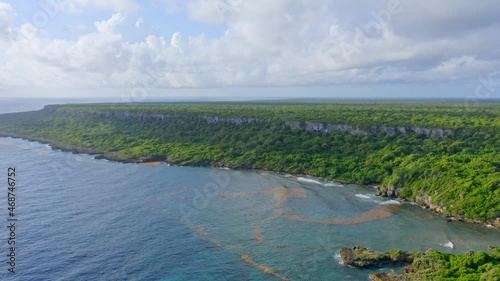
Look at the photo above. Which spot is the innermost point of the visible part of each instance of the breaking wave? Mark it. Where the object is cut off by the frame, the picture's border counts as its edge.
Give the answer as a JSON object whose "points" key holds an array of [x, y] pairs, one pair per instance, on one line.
{"points": [[308, 180]]}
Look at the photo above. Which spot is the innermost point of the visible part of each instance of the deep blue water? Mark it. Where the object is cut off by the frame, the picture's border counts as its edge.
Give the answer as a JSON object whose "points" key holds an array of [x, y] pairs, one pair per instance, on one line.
{"points": [[86, 219]]}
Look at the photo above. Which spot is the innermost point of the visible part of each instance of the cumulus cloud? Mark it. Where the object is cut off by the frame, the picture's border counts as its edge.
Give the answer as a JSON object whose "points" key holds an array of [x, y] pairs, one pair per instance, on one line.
{"points": [[445, 18], [109, 25], [7, 14], [266, 43], [215, 11]]}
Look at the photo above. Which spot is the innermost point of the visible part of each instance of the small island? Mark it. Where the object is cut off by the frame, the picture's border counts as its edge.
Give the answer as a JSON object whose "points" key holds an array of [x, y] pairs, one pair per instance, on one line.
{"points": [[427, 265]]}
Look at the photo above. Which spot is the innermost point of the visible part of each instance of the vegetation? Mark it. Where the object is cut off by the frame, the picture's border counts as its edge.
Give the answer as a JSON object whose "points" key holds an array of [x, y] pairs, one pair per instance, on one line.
{"points": [[429, 265], [362, 257], [389, 144]]}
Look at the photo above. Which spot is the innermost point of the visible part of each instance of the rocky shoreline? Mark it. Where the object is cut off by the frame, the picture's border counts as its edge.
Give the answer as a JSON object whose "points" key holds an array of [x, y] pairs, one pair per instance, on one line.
{"points": [[388, 192], [361, 257], [428, 265], [426, 202]]}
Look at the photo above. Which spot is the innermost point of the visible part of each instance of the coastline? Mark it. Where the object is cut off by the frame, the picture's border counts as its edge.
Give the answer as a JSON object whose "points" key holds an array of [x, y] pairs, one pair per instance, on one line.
{"points": [[423, 265], [420, 201]]}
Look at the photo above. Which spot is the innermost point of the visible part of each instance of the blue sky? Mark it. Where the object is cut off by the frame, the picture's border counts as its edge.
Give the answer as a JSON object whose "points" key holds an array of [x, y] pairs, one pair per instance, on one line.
{"points": [[158, 19], [136, 50]]}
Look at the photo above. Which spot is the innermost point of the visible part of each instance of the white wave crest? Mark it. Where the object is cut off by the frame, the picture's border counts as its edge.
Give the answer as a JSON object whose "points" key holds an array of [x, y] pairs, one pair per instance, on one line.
{"points": [[390, 202], [339, 259], [449, 244], [308, 180], [363, 196]]}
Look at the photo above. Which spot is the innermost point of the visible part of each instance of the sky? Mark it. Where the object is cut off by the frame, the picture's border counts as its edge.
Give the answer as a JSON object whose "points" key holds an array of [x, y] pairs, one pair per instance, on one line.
{"points": [[134, 50]]}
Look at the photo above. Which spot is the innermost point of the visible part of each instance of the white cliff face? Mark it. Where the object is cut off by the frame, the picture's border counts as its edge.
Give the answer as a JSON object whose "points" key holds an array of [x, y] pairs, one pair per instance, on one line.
{"points": [[234, 121], [305, 125], [118, 114], [328, 128]]}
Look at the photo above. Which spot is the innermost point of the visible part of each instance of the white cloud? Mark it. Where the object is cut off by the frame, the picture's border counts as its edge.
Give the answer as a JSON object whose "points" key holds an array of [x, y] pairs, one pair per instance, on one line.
{"points": [[109, 25], [139, 23], [445, 17], [176, 41], [215, 11], [266, 43], [7, 14]]}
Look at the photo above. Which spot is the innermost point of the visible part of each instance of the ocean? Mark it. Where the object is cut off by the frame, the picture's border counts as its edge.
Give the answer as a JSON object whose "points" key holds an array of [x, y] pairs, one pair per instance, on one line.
{"points": [[79, 218]]}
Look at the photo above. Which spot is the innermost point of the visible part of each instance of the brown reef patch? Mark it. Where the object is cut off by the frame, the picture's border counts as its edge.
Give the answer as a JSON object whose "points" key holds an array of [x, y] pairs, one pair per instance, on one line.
{"points": [[258, 234], [372, 215], [264, 268], [281, 194], [201, 232]]}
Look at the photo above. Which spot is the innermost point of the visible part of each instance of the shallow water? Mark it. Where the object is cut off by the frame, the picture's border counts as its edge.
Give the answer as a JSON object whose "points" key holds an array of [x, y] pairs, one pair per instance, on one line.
{"points": [[85, 219]]}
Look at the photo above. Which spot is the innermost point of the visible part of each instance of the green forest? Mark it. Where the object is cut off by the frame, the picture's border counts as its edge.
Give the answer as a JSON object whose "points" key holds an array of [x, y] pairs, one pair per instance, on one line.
{"points": [[428, 265], [442, 154]]}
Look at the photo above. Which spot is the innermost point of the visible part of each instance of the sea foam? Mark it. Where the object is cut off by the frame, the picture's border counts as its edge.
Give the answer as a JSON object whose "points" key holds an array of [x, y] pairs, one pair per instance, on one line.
{"points": [[362, 196], [308, 180], [449, 244], [390, 202], [339, 259]]}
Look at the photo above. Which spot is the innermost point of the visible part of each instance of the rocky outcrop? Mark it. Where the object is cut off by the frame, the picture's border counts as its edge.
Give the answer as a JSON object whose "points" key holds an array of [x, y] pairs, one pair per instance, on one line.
{"points": [[496, 223], [384, 276], [432, 132], [362, 257], [387, 191], [234, 121], [329, 128], [118, 114], [428, 265], [139, 115], [426, 202]]}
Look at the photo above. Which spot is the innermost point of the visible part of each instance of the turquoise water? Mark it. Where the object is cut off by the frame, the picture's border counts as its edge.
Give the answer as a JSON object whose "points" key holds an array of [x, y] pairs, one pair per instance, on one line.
{"points": [[86, 219]]}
